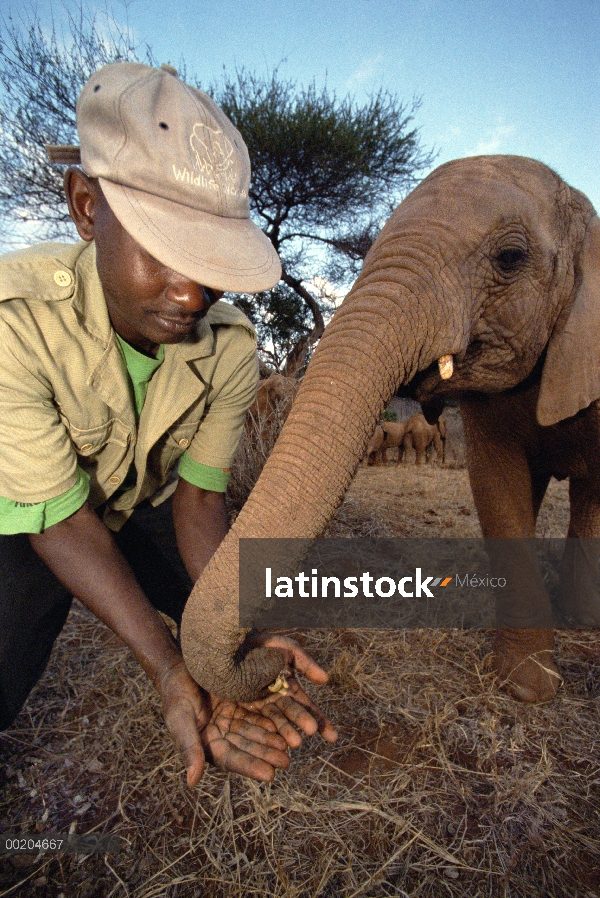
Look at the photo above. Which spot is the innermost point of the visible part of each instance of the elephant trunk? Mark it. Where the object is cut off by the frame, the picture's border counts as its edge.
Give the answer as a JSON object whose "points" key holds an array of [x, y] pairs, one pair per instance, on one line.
{"points": [[361, 360]]}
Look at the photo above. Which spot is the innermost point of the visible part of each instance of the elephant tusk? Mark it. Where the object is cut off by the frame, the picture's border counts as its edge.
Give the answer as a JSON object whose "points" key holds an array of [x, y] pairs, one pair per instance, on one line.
{"points": [[280, 685], [446, 366]]}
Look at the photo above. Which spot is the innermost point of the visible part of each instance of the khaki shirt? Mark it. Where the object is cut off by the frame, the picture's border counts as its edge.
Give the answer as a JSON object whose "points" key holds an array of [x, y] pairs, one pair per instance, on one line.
{"points": [[66, 398]]}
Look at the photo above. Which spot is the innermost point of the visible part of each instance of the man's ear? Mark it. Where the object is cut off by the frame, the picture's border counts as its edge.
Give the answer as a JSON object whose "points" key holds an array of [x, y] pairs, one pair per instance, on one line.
{"points": [[82, 198]]}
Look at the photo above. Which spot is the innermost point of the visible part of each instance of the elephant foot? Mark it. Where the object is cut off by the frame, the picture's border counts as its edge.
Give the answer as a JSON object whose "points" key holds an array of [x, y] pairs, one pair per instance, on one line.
{"points": [[523, 662]]}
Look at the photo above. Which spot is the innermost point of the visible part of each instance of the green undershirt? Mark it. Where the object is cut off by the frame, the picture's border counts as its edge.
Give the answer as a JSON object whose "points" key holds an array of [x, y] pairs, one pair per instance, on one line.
{"points": [[35, 517], [140, 368]]}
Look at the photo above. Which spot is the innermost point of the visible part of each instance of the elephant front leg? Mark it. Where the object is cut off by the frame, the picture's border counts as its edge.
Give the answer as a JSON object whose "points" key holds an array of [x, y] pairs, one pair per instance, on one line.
{"points": [[579, 598], [506, 501], [524, 637]]}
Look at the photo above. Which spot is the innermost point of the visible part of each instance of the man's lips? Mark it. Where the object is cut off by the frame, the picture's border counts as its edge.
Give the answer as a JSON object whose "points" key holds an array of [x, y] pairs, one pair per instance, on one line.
{"points": [[178, 324]]}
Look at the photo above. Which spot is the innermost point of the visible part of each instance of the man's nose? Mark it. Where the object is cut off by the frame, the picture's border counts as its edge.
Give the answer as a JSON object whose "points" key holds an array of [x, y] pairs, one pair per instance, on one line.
{"points": [[188, 295]]}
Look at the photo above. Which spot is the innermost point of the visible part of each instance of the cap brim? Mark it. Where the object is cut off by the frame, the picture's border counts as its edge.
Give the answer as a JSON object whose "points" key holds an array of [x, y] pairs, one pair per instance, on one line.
{"points": [[229, 254]]}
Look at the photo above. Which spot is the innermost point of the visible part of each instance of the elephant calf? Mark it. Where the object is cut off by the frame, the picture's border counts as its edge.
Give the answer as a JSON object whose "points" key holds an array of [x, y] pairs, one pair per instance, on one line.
{"points": [[484, 286], [420, 436], [393, 432], [374, 446]]}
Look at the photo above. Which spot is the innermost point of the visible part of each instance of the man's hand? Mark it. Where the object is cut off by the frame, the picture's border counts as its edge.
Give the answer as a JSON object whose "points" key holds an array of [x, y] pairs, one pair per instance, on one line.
{"points": [[228, 735], [200, 524], [294, 708]]}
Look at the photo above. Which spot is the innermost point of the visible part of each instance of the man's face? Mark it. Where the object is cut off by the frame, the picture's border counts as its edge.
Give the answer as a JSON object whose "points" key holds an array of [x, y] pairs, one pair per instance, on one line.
{"points": [[147, 302]]}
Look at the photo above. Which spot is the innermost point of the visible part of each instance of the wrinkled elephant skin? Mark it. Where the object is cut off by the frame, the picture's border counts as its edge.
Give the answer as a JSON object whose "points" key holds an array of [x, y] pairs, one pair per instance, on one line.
{"points": [[491, 265]]}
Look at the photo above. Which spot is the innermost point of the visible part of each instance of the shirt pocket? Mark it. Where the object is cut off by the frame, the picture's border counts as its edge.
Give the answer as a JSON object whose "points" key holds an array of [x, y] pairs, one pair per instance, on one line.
{"points": [[104, 453]]}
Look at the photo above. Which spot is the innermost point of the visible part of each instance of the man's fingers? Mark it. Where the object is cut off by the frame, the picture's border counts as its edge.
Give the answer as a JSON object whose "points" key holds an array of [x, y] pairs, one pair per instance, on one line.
{"points": [[298, 709], [244, 714], [276, 757], [297, 713], [309, 668], [326, 729], [284, 727], [294, 710], [324, 725], [257, 733], [195, 763], [183, 727], [186, 738], [229, 757], [298, 658]]}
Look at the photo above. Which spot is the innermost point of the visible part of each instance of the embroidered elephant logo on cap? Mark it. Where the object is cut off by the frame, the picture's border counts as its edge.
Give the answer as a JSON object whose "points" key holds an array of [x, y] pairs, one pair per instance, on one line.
{"points": [[212, 150]]}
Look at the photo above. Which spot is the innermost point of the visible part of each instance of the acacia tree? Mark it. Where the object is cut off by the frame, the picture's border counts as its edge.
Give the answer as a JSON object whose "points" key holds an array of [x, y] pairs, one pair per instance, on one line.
{"points": [[41, 75], [325, 175], [326, 172]]}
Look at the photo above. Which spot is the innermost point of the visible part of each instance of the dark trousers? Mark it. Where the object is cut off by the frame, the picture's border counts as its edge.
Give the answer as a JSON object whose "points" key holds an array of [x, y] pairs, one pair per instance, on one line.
{"points": [[34, 605]]}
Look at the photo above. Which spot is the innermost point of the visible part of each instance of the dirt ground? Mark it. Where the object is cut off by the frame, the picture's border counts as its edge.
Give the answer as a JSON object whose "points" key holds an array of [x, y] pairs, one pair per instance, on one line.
{"points": [[439, 785]]}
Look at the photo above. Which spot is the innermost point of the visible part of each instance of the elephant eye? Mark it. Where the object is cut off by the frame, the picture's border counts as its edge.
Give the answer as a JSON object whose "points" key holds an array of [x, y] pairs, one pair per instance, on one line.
{"points": [[510, 260]]}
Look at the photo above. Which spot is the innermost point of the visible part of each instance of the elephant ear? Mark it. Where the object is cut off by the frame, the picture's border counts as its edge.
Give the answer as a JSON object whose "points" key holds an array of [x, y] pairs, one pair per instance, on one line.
{"points": [[571, 375]]}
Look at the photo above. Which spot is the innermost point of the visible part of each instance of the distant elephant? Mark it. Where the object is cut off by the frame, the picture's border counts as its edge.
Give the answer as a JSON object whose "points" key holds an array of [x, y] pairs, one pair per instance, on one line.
{"points": [[373, 450], [420, 436], [393, 437], [484, 286]]}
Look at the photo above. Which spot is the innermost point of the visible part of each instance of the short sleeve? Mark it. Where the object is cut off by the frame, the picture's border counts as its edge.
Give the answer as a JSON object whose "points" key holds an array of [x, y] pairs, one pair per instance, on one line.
{"points": [[214, 479], [35, 517]]}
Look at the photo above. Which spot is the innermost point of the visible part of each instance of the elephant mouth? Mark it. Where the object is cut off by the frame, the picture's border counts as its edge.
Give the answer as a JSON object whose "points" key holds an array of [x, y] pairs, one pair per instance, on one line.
{"points": [[424, 384]]}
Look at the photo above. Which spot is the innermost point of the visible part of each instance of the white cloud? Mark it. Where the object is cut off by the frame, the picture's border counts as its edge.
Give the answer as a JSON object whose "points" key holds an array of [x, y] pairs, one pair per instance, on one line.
{"points": [[450, 135], [366, 71], [494, 140]]}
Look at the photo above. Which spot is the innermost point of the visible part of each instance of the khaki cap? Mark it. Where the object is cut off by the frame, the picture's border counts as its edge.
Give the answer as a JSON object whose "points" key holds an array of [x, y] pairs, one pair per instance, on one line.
{"points": [[176, 174]]}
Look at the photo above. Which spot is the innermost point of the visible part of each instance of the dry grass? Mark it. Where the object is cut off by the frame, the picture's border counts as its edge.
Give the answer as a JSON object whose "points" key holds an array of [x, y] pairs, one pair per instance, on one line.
{"points": [[258, 438], [438, 786]]}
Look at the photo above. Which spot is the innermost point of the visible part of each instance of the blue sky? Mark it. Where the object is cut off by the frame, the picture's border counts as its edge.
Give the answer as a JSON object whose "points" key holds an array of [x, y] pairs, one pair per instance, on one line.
{"points": [[506, 76]]}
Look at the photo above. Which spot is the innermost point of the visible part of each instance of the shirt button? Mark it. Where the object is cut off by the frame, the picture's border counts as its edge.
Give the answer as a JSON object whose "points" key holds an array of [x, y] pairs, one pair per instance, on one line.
{"points": [[114, 479], [86, 447], [63, 278], [184, 442]]}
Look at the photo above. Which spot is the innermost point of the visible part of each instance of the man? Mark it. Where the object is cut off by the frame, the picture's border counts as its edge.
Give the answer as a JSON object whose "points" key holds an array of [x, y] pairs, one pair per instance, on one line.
{"points": [[124, 383]]}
